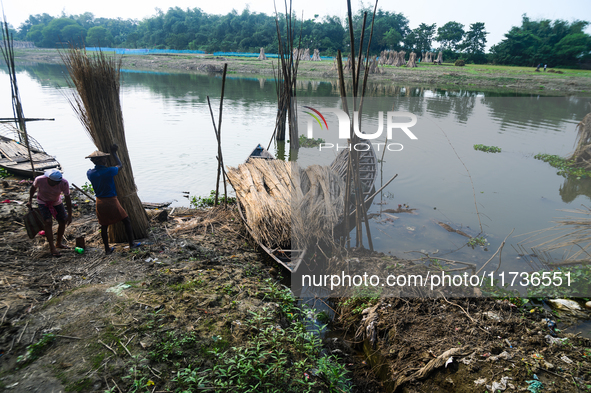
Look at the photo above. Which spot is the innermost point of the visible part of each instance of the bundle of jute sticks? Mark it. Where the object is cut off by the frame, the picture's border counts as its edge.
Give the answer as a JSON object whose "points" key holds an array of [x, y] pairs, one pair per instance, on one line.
{"points": [[97, 105], [284, 204]]}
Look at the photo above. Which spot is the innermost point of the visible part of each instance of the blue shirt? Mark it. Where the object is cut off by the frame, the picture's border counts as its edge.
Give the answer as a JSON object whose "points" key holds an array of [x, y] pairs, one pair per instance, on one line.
{"points": [[102, 180]]}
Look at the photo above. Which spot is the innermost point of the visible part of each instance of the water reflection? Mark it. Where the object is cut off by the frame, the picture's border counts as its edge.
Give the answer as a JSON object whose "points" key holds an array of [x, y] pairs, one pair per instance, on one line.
{"points": [[259, 88], [572, 188], [536, 112]]}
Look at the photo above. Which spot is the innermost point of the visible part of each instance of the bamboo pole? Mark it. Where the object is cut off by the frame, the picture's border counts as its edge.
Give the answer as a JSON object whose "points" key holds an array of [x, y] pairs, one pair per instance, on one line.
{"points": [[353, 180], [218, 134], [17, 108]]}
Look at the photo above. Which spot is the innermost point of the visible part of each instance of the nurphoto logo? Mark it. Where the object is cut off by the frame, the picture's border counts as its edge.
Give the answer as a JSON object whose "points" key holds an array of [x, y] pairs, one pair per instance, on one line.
{"points": [[392, 122]]}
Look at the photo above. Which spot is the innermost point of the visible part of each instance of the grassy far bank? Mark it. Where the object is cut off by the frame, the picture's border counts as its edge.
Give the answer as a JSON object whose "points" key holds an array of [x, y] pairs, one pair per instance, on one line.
{"points": [[472, 76]]}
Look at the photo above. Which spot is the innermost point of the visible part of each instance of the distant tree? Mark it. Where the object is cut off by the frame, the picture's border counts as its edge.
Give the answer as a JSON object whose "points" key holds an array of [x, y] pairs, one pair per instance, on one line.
{"points": [[424, 37], [410, 41], [544, 41], [73, 34], [35, 34], [392, 39], [475, 42], [99, 36], [86, 20], [57, 32], [386, 23], [33, 20], [450, 35], [573, 47]]}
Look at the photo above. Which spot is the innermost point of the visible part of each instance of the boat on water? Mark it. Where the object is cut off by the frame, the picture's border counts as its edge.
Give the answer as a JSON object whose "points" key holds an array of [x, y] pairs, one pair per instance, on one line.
{"points": [[14, 156], [288, 257]]}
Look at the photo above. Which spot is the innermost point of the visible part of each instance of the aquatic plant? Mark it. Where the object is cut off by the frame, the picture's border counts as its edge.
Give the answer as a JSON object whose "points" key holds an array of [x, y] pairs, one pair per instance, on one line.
{"points": [[565, 167], [310, 142], [487, 149]]}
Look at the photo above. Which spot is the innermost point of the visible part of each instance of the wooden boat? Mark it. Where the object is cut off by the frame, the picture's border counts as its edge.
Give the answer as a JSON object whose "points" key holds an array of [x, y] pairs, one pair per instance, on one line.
{"points": [[14, 156], [368, 163], [291, 259]]}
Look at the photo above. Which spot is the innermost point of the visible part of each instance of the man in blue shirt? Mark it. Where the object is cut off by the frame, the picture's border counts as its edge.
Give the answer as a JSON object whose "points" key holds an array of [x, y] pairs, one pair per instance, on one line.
{"points": [[108, 209]]}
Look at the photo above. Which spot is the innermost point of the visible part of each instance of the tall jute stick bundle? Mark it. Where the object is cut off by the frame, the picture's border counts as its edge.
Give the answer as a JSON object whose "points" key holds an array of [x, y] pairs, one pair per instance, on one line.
{"points": [[286, 206], [97, 105]]}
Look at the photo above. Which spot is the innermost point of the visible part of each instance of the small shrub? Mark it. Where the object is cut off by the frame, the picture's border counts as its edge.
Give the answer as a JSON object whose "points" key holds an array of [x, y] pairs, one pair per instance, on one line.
{"points": [[4, 173], [87, 187], [460, 63]]}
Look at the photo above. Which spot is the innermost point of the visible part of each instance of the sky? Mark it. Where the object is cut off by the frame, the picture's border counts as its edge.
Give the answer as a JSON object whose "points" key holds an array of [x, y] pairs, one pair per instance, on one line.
{"points": [[498, 15]]}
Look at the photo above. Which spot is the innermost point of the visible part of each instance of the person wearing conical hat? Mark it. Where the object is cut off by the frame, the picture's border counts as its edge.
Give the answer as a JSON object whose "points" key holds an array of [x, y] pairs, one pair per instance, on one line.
{"points": [[108, 209], [49, 188]]}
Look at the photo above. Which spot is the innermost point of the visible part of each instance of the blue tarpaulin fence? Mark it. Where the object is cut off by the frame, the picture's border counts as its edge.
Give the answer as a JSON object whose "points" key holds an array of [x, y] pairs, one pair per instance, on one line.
{"points": [[124, 51], [269, 55]]}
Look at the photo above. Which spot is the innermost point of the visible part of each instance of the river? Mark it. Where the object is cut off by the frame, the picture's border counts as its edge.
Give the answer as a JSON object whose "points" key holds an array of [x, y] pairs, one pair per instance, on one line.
{"points": [[172, 149]]}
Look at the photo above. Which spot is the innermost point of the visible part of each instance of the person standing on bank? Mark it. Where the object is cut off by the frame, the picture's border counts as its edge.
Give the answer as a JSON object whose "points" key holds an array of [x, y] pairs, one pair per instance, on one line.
{"points": [[50, 187], [108, 209]]}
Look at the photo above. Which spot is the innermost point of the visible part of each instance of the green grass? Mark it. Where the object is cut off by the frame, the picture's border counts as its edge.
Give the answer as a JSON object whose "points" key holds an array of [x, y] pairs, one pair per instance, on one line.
{"points": [[479, 69], [34, 351]]}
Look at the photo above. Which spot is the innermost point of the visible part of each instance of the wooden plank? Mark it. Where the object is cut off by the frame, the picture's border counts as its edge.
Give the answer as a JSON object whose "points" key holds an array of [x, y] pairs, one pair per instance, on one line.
{"points": [[5, 153]]}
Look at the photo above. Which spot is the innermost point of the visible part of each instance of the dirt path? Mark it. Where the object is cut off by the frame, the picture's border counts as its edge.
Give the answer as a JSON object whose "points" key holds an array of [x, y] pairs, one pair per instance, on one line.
{"points": [[473, 77]]}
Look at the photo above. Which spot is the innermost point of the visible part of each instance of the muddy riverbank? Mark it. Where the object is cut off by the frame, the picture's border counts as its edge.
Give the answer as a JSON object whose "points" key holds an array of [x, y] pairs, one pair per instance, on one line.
{"points": [[175, 314], [199, 308], [473, 77]]}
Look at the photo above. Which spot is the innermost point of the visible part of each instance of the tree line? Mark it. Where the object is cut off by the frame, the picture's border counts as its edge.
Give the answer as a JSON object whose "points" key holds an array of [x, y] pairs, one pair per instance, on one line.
{"points": [[550, 42]]}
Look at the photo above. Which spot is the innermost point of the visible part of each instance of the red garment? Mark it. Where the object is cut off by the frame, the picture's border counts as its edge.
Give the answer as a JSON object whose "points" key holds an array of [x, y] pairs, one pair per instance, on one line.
{"points": [[50, 195], [109, 211]]}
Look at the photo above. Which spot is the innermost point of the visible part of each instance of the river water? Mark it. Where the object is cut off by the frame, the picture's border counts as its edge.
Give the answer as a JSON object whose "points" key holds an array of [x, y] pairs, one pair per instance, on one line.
{"points": [[172, 149]]}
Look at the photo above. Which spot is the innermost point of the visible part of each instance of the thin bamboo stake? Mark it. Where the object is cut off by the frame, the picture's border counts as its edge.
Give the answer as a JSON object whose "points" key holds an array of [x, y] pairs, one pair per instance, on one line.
{"points": [[378, 191], [219, 157], [218, 134]]}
